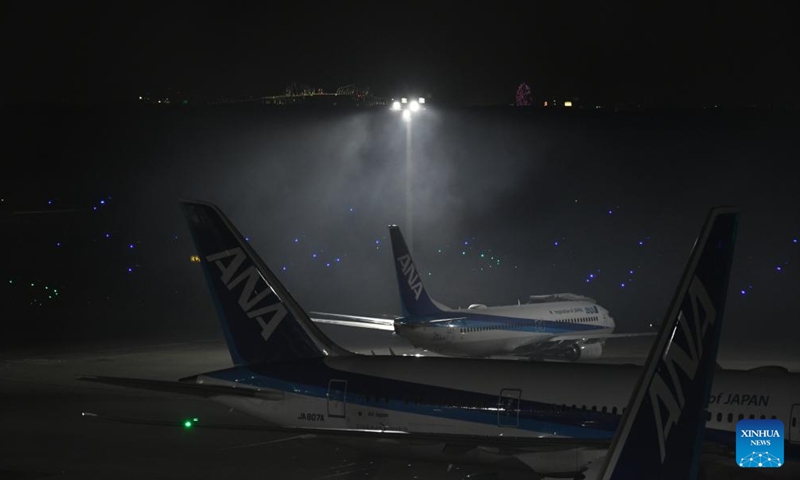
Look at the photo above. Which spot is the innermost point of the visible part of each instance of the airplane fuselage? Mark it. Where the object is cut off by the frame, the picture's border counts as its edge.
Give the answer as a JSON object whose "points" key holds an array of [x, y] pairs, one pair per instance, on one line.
{"points": [[498, 398], [490, 331]]}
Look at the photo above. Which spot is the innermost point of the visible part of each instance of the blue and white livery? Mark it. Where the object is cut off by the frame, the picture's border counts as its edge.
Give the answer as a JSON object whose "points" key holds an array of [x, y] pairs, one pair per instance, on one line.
{"points": [[551, 418], [561, 326]]}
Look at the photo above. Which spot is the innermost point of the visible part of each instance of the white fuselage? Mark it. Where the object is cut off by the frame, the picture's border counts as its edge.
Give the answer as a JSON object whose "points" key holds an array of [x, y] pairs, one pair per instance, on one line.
{"points": [[498, 398], [502, 330]]}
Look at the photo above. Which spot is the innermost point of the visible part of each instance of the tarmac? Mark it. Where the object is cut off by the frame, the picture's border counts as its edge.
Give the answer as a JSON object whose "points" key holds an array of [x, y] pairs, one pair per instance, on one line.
{"points": [[45, 435]]}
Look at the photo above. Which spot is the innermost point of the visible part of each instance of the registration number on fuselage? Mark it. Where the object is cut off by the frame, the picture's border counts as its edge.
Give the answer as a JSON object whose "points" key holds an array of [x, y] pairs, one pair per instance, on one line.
{"points": [[311, 417]]}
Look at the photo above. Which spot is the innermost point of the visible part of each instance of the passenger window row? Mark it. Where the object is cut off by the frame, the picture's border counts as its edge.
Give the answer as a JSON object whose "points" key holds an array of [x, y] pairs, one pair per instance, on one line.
{"points": [[729, 417], [578, 320], [505, 326], [521, 325]]}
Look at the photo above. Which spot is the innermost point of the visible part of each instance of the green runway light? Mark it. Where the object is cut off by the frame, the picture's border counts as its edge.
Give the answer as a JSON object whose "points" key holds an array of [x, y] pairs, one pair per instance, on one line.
{"points": [[187, 424]]}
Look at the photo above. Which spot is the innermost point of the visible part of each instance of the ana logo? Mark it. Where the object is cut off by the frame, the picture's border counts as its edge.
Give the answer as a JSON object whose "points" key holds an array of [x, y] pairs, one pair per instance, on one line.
{"points": [[249, 300], [412, 277], [689, 332], [759, 443]]}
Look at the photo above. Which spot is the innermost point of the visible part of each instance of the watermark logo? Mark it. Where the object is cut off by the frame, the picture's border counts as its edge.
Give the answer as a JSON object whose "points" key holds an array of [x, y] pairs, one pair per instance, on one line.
{"points": [[759, 443]]}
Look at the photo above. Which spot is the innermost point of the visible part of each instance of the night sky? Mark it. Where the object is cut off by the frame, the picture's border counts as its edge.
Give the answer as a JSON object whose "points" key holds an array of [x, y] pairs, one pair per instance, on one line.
{"points": [[601, 52], [506, 202]]}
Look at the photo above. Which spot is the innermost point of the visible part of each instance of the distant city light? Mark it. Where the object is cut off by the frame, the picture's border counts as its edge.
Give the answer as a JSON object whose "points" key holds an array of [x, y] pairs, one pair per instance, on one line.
{"points": [[195, 258], [568, 103]]}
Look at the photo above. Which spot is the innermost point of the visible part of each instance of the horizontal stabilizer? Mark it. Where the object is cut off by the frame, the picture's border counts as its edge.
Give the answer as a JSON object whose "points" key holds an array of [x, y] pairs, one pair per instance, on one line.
{"points": [[375, 323]]}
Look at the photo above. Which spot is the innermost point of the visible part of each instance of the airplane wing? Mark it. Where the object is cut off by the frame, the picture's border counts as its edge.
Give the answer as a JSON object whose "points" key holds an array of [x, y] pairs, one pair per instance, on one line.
{"points": [[457, 443], [374, 323], [598, 336]]}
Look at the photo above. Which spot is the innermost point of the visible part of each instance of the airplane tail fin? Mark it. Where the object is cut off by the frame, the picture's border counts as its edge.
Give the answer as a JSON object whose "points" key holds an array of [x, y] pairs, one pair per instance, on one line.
{"points": [[260, 319], [413, 298], [660, 434]]}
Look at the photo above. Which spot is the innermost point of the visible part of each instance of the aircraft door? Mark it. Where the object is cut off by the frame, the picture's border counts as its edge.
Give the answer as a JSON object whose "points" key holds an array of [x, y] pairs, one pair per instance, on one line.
{"points": [[337, 395], [508, 407], [794, 424], [451, 333]]}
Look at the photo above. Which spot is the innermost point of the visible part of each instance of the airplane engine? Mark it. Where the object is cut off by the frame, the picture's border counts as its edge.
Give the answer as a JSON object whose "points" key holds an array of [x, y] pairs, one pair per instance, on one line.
{"points": [[584, 351]]}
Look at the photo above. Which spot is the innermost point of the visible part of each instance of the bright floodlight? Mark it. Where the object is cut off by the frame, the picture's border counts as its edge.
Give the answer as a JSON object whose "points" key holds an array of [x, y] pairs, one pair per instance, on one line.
{"points": [[407, 115], [414, 106], [404, 100], [396, 105], [421, 101]]}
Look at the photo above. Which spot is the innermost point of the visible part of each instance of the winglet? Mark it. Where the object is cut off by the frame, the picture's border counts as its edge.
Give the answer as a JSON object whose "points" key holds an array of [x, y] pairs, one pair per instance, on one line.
{"points": [[660, 434]]}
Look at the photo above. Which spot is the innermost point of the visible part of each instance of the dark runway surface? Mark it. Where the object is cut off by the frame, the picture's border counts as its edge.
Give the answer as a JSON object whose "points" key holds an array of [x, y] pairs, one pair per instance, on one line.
{"points": [[45, 436]]}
